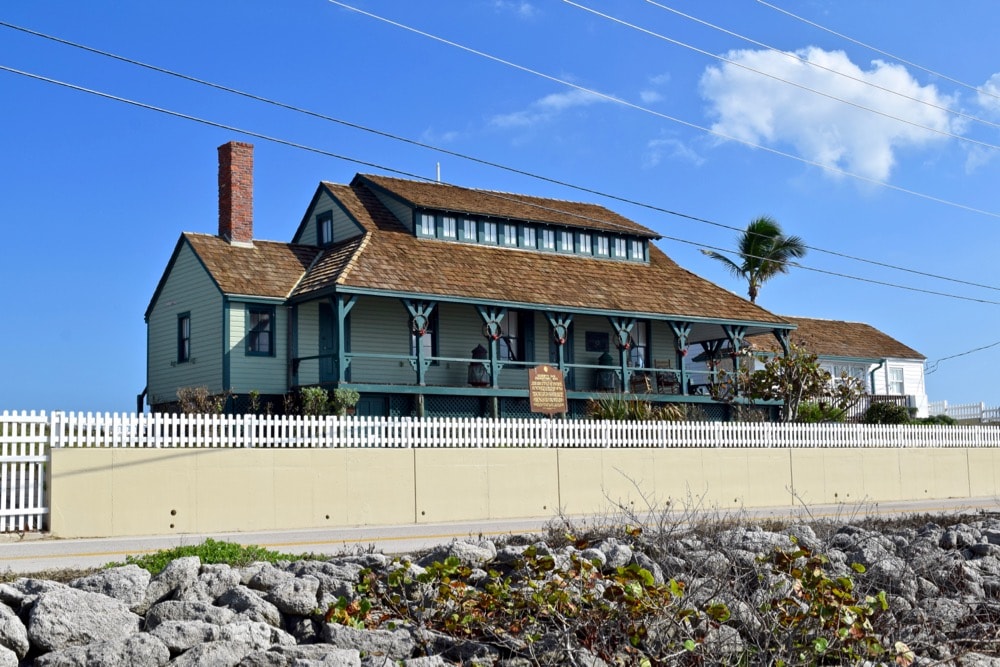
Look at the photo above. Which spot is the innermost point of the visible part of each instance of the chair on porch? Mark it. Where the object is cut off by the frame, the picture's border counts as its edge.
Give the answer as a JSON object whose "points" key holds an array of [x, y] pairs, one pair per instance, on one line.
{"points": [[640, 383], [667, 380]]}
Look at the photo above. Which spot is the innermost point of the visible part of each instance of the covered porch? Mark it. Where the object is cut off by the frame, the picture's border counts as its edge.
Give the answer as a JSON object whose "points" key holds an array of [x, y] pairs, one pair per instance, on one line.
{"points": [[446, 356]]}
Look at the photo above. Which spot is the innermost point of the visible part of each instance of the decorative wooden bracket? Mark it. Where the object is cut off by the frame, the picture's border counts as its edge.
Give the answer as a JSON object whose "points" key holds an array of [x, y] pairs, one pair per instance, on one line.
{"points": [[420, 318]]}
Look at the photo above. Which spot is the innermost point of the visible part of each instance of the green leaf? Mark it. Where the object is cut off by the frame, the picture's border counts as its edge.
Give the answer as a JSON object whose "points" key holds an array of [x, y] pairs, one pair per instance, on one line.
{"points": [[858, 567], [820, 644], [690, 645]]}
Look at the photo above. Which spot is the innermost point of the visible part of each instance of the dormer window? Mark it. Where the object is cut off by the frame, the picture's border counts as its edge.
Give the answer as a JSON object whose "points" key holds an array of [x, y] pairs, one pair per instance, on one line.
{"points": [[638, 250], [468, 230], [508, 234], [566, 241], [324, 228], [489, 232], [619, 248], [528, 237], [603, 246], [548, 239], [448, 227], [583, 243], [426, 224]]}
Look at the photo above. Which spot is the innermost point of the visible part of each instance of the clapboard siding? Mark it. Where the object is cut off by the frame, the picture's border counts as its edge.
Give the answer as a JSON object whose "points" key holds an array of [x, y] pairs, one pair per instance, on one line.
{"points": [[308, 342], [913, 381], [268, 375], [380, 326], [402, 212], [188, 288], [343, 227]]}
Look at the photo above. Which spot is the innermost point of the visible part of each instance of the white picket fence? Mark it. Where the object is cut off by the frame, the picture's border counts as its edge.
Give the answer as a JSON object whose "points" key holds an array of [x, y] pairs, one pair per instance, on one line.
{"points": [[25, 439], [967, 412]]}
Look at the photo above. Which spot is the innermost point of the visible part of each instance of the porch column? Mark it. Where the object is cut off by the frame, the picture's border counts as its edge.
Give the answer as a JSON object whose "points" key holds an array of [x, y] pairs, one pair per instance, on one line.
{"points": [[712, 349], [342, 305], [420, 317], [735, 335], [493, 330], [681, 332], [560, 333], [623, 330], [782, 335]]}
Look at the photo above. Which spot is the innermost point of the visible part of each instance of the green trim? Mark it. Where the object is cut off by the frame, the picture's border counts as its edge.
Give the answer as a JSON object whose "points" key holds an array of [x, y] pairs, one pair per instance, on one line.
{"points": [[183, 355], [765, 327], [253, 335], [226, 349]]}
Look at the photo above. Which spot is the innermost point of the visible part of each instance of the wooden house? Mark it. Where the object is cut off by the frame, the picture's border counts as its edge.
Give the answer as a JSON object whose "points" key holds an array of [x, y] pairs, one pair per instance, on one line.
{"points": [[433, 299]]}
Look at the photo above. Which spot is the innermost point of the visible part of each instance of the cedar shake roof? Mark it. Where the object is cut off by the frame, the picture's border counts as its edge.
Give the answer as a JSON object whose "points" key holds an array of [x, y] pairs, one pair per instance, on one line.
{"points": [[441, 197], [267, 268], [834, 338], [391, 258]]}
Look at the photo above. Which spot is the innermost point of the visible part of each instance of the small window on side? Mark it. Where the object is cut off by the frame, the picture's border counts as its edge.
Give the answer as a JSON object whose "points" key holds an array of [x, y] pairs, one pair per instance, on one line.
{"points": [[183, 337], [324, 229], [260, 331]]}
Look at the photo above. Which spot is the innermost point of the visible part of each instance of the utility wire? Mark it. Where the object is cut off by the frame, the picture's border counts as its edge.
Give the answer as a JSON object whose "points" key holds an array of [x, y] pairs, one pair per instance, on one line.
{"points": [[800, 86], [638, 107], [978, 89], [463, 156], [932, 366], [816, 65]]}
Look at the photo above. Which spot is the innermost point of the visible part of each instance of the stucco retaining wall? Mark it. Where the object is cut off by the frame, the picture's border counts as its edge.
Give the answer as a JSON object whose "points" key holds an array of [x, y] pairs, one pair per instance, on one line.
{"points": [[99, 492]]}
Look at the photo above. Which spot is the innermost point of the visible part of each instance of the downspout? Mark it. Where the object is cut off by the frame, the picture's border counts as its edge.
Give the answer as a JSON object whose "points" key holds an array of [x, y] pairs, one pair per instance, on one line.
{"points": [[872, 375]]}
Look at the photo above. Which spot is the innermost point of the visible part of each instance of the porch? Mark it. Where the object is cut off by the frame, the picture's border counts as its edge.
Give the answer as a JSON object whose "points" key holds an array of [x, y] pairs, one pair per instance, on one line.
{"points": [[449, 358]]}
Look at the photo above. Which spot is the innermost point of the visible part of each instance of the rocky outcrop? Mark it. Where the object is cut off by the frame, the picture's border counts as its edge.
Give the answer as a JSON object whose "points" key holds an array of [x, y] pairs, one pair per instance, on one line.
{"points": [[941, 585]]}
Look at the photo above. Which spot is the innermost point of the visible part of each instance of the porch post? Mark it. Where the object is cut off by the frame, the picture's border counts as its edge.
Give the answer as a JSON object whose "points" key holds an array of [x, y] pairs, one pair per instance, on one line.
{"points": [[681, 332], [420, 317], [343, 305], [782, 335], [560, 332], [493, 330], [623, 329], [735, 335]]}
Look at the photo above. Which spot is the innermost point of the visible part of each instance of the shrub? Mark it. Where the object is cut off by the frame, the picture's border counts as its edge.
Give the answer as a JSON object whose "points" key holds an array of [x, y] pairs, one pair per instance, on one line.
{"points": [[343, 399], [886, 413], [198, 401], [941, 420], [816, 413], [623, 407], [314, 401]]}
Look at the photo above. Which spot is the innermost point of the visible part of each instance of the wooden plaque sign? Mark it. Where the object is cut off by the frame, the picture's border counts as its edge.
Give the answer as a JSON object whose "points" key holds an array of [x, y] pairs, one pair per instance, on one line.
{"points": [[546, 390]]}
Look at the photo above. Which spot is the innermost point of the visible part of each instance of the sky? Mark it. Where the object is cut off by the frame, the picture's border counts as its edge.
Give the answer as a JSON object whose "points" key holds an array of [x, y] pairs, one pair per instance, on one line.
{"points": [[870, 130]]}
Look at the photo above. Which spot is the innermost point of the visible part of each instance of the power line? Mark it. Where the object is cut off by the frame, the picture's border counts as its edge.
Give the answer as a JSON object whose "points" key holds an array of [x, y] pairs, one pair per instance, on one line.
{"points": [[982, 91], [816, 65], [319, 151], [800, 86], [463, 156], [695, 126], [932, 366]]}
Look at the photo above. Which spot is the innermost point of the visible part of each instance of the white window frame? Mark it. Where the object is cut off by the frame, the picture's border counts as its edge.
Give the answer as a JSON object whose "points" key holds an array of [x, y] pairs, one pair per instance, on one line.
{"points": [[891, 381], [583, 240], [638, 250], [427, 224], [489, 232], [603, 246], [508, 233], [468, 229], [619, 248], [449, 227], [548, 239], [528, 239]]}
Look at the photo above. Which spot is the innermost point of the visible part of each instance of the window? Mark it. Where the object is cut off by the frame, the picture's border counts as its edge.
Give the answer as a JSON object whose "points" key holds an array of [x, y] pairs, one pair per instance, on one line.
{"points": [[260, 331], [429, 341], [638, 353], [515, 342], [183, 337], [448, 227], [619, 248], [566, 241], [509, 234], [489, 232], [602, 246], [548, 239], [426, 224], [468, 230], [583, 246], [527, 237], [638, 250], [838, 371], [324, 229], [895, 386]]}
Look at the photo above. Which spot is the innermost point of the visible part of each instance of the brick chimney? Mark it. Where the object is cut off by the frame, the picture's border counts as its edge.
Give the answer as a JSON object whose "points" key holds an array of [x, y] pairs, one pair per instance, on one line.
{"points": [[236, 192]]}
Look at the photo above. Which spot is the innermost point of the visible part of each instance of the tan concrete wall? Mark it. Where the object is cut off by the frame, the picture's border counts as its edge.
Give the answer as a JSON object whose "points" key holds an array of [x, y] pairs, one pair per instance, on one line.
{"points": [[117, 492]]}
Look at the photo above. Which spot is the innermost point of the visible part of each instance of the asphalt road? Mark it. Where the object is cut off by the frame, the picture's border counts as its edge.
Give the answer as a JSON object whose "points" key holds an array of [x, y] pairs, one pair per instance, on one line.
{"points": [[38, 552]]}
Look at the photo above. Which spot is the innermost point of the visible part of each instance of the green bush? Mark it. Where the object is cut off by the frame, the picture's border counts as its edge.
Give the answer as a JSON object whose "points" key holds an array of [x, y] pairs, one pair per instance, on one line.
{"points": [[314, 401], [342, 400], [886, 413], [623, 407], [212, 551], [816, 413], [941, 420]]}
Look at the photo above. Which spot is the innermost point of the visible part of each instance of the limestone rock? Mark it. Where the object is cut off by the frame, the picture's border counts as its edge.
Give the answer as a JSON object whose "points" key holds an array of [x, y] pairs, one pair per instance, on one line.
{"points": [[127, 584], [69, 617]]}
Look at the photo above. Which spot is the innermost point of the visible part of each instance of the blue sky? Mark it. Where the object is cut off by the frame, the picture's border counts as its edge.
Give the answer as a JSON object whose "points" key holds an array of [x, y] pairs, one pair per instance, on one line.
{"points": [[866, 155]]}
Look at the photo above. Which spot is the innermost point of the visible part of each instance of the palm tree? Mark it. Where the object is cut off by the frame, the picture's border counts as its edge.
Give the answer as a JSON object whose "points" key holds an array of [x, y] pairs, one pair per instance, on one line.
{"points": [[765, 252]]}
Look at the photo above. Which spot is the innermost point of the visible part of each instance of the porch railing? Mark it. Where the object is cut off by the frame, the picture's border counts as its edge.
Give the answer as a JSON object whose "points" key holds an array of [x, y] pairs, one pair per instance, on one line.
{"points": [[970, 413], [857, 412]]}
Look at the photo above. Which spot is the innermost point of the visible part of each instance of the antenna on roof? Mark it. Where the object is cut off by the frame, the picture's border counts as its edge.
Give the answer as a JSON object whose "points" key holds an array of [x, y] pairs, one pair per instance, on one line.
{"points": [[438, 172]]}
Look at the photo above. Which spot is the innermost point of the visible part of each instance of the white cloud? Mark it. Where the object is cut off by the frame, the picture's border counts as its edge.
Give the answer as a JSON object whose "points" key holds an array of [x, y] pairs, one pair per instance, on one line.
{"points": [[989, 96], [763, 110], [651, 95], [523, 9], [658, 150], [547, 108]]}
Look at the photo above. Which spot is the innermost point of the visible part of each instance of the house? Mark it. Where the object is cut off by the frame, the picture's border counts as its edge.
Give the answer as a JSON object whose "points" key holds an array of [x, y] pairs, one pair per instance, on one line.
{"points": [[433, 299], [887, 367]]}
